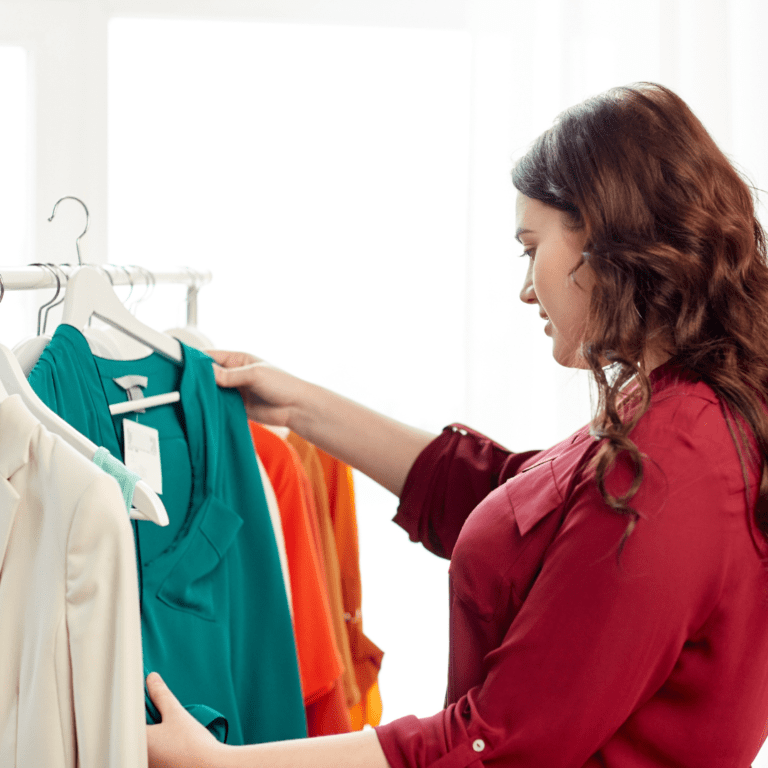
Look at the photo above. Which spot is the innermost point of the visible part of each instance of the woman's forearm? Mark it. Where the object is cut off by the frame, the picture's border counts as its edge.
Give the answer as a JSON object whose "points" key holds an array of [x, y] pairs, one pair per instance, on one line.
{"points": [[348, 750], [180, 741], [380, 447]]}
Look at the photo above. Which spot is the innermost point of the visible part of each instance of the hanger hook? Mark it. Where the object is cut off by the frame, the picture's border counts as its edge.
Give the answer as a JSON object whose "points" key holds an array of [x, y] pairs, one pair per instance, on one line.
{"points": [[55, 296], [153, 281], [87, 219], [192, 292], [148, 277], [107, 274], [196, 280], [130, 282], [48, 308]]}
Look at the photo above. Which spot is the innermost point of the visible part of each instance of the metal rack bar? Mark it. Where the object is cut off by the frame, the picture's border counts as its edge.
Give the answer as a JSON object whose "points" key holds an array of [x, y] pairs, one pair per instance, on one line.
{"points": [[30, 278]]}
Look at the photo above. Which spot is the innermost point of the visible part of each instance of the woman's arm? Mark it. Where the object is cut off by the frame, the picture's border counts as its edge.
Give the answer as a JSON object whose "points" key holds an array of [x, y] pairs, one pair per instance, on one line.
{"points": [[360, 749], [382, 448], [179, 741]]}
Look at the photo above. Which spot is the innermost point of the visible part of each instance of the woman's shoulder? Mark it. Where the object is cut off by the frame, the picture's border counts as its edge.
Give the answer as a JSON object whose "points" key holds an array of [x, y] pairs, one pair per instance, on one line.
{"points": [[689, 428], [681, 401]]}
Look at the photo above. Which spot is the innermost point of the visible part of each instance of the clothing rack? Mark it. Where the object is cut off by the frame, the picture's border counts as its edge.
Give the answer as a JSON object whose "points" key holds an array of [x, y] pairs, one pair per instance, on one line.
{"points": [[33, 277]]}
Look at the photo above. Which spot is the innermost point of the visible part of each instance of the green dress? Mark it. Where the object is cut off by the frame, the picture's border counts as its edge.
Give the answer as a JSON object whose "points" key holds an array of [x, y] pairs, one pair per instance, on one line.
{"points": [[215, 618]]}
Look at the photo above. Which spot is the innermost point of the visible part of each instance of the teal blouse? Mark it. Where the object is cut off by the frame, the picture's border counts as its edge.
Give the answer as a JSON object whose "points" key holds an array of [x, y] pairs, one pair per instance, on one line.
{"points": [[215, 618]]}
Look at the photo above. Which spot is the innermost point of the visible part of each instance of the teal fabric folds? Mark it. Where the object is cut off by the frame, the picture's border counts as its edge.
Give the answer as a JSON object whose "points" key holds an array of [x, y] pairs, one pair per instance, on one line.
{"points": [[215, 619]]}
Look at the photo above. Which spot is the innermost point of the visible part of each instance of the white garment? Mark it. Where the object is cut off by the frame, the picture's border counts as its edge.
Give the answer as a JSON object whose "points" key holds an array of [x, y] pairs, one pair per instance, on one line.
{"points": [[71, 674], [277, 527]]}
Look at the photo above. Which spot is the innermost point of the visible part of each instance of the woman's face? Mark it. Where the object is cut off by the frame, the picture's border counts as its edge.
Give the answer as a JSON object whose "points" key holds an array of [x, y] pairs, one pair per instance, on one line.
{"points": [[553, 251]]}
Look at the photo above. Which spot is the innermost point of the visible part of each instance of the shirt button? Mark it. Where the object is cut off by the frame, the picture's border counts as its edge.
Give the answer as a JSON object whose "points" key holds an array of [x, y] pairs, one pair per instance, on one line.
{"points": [[478, 745]]}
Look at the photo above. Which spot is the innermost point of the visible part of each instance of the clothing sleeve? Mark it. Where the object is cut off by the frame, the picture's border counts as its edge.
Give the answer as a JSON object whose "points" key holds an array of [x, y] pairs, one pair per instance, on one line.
{"points": [[595, 639], [449, 478], [103, 625]]}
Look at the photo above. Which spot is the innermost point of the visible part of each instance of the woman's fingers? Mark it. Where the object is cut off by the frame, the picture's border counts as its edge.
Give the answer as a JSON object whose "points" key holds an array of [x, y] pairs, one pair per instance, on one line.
{"points": [[233, 369], [242, 376], [230, 359], [161, 695], [178, 741], [268, 393]]}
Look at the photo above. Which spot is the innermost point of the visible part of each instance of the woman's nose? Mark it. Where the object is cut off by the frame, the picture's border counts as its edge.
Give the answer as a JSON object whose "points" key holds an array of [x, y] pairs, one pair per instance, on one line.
{"points": [[527, 294]]}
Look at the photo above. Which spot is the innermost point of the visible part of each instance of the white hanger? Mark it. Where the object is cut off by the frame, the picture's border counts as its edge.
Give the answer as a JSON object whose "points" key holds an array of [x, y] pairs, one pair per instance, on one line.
{"points": [[191, 336], [127, 347], [100, 343], [147, 505], [89, 294], [27, 352], [112, 344]]}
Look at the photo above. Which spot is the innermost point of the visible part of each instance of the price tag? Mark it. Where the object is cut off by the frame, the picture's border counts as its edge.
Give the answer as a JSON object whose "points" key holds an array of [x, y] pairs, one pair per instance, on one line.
{"points": [[142, 453]]}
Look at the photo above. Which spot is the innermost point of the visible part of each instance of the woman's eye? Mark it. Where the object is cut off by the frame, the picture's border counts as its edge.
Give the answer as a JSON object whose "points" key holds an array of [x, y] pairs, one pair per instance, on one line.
{"points": [[529, 252]]}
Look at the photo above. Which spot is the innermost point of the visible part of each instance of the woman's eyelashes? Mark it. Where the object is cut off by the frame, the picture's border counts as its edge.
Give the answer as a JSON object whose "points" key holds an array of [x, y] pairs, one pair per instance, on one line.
{"points": [[528, 252]]}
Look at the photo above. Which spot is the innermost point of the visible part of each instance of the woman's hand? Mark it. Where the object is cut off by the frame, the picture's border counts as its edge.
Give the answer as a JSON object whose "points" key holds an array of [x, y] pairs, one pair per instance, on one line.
{"points": [[268, 393], [381, 447], [179, 740]]}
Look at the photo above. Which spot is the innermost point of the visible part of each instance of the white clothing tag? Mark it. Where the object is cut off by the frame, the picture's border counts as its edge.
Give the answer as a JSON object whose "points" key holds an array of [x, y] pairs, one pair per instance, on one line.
{"points": [[142, 453]]}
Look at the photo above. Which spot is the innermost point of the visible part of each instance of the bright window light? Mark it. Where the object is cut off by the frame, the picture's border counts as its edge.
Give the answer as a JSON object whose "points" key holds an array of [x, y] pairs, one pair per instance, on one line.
{"points": [[321, 173], [14, 163]]}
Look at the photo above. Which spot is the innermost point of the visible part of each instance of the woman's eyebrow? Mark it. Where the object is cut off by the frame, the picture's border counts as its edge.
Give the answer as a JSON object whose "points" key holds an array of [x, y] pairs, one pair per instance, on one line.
{"points": [[522, 231]]}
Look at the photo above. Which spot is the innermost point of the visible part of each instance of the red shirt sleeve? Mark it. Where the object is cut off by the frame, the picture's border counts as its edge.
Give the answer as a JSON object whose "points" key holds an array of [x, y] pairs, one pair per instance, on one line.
{"points": [[449, 478]]}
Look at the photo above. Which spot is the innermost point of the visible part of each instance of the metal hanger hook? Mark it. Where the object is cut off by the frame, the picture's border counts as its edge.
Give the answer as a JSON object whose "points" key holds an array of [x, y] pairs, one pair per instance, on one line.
{"points": [[196, 279], [192, 292], [87, 220], [55, 296], [49, 307], [152, 282], [130, 282], [149, 280]]}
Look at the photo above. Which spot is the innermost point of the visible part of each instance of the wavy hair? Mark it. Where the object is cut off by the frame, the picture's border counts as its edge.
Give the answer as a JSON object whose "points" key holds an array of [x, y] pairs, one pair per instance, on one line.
{"points": [[678, 255]]}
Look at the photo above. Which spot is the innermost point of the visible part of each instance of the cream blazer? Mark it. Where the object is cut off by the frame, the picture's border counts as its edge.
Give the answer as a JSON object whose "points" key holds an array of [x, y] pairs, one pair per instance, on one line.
{"points": [[71, 674]]}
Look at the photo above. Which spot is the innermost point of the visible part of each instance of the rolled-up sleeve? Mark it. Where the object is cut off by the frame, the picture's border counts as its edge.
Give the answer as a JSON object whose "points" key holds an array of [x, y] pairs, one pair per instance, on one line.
{"points": [[449, 478]]}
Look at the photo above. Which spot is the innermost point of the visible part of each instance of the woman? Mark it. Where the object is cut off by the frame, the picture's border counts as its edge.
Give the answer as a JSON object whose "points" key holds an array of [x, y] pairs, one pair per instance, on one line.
{"points": [[609, 596]]}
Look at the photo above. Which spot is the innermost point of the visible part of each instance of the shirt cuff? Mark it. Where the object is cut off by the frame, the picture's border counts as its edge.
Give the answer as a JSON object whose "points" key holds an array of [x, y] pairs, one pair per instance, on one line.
{"points": [[412, 742], [449, 478]]}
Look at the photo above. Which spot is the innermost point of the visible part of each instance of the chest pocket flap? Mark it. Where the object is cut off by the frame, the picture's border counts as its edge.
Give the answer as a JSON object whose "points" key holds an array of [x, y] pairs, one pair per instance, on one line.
{"points": [[533, 494], [191, 585]]}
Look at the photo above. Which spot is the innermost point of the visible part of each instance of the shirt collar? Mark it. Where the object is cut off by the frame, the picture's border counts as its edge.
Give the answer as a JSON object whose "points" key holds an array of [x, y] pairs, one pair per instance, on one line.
{"points": [[664, 374]]}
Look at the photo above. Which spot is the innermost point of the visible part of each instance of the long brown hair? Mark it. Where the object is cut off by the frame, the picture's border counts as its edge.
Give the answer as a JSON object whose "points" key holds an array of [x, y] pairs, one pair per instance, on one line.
{"points": [[674, 242]]}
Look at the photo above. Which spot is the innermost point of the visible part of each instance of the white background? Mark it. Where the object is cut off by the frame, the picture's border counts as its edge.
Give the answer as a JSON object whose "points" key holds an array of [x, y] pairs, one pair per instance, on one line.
{"points": [[342, 168]]}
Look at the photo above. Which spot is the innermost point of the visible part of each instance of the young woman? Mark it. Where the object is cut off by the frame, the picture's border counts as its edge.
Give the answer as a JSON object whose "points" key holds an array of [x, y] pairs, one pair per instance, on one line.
{"points": [[609, 596]]}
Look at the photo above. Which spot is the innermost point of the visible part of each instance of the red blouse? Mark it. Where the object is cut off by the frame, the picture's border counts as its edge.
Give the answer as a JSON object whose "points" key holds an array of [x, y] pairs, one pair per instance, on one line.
{"points": [[559, 655]]}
